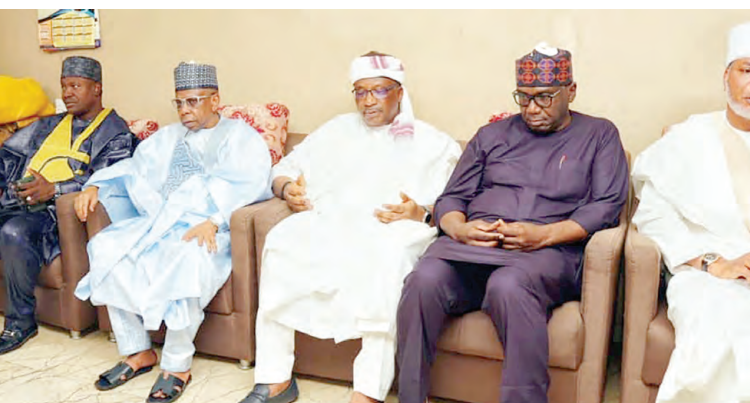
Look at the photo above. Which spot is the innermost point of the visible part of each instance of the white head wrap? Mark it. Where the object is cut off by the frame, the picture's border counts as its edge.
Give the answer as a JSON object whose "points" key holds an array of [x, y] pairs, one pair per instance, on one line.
{"points": [[739, 43], [545, 49], [390, 67]]}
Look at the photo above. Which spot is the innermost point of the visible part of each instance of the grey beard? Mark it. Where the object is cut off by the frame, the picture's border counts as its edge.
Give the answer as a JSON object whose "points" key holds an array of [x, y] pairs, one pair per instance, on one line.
{"points": [[738, 108]]}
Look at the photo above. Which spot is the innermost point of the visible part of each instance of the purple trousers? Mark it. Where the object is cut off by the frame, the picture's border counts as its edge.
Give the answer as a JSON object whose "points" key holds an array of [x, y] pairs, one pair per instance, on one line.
{"points": [[518, 296]]}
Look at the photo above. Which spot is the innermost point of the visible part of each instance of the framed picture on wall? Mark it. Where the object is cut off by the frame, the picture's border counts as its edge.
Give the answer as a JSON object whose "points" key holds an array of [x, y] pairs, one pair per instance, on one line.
{"points": [[68, 29]]}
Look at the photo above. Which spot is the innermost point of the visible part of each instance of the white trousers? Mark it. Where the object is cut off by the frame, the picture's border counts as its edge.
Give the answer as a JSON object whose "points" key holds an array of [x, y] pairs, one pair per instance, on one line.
{"points": [[274, 358], [178, 351], [711, 359]]}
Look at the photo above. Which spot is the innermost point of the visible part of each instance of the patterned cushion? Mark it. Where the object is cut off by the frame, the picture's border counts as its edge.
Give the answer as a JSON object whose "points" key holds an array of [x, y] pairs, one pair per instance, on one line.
{"points": [[500, 116], [270, 120], [143, 128]]}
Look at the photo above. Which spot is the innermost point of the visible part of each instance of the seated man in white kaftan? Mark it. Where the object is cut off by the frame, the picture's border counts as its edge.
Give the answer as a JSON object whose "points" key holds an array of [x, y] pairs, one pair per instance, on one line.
{"points": [[166, 253], [335, 269], [694, 190]]}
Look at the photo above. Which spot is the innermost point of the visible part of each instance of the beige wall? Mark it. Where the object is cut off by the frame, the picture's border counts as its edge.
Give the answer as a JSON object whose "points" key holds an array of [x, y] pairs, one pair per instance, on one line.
{"points": [[641, 69]]}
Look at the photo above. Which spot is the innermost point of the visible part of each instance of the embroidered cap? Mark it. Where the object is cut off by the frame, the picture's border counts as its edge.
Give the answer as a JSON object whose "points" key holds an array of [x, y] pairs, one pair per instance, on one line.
{"points": [[545, 66], [192, 75], [81, 66]]}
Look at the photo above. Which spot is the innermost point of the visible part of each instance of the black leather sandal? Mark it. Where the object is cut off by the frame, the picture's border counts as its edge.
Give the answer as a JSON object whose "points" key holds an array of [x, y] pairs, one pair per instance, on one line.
{"points": [[118, 375], [172, 387]]}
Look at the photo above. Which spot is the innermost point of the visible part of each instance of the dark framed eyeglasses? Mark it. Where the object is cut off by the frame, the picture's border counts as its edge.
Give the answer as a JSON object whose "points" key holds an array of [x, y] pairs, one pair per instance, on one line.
{"points": [[379, 93], [191, 102], [542, 100]]}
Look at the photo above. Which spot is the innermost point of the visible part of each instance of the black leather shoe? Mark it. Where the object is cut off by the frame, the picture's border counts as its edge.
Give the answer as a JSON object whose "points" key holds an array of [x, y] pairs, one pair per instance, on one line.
{"points": [[260, 393], [13, 338]]}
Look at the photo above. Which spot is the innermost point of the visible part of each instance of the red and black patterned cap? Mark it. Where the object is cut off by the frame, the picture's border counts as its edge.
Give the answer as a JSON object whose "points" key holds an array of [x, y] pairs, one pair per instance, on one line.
{"points": [[539, 69]]}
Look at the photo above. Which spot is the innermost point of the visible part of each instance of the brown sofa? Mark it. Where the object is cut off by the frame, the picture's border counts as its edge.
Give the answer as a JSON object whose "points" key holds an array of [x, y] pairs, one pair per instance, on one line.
{"points": [[469, 362], [228, 329], [648, 337], [56, 304]]}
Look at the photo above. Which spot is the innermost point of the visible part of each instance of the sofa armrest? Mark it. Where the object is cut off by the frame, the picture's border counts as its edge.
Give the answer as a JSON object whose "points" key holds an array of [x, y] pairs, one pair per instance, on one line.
{"points": [[245, 256], [75, 314], [642, 277], [601, 268], [97, 220], [72, 240], [274, 211]]}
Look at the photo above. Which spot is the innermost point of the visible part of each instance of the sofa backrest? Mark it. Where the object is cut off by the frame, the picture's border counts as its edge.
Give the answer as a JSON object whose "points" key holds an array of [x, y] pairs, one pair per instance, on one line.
{"points": [[293, 139]]}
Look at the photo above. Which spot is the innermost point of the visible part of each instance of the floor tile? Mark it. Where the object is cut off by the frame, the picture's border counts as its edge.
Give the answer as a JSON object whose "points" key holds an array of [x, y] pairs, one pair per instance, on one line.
{"points": [[53, 368]]}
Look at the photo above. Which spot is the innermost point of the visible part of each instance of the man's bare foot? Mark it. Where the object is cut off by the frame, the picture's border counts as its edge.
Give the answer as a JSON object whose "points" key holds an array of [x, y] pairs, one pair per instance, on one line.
{"points": [[275, 389], [142, 359], [358, 397], [183, 376]]}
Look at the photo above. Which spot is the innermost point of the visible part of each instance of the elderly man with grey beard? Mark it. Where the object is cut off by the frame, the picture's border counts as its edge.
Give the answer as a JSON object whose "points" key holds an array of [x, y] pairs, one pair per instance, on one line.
{"points": [[694, 190]]}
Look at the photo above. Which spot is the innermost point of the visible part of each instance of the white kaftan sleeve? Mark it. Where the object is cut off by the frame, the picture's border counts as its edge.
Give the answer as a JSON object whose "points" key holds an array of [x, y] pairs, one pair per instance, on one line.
{"points": [[678, 239]]}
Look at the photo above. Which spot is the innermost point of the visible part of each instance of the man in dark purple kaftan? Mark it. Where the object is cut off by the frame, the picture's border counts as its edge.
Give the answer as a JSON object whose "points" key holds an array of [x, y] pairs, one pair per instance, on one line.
{"points": [[527, 193]]}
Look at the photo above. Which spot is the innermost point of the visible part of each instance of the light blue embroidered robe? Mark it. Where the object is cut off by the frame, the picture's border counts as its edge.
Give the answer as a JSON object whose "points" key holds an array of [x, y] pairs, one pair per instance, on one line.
{"points": [[174, 181]]}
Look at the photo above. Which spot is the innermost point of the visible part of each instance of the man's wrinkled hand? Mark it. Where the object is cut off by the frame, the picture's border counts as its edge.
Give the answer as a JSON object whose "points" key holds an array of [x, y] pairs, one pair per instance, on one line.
{"points": [[408, 209], [295, 194], [479, 233], [86, 202], [205, 232], [523, 236], [37, 191]]}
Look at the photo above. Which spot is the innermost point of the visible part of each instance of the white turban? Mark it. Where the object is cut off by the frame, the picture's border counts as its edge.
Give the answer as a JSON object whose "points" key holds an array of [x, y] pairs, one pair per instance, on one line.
{"points": [[739, 43], [389, 67]]}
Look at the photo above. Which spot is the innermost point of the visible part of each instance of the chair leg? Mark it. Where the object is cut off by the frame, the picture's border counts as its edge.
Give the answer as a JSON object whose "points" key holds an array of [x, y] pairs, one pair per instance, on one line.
{"points": [[75, 335], [244, 364], [111, 337]]}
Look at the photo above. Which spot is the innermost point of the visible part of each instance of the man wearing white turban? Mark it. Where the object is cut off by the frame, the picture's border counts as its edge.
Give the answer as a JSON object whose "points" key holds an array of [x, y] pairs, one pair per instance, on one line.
{"points": [[362, 186], [694, 191]]}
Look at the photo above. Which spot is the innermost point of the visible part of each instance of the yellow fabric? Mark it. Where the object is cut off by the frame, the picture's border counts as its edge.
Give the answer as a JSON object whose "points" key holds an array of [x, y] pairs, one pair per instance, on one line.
{"points": [[51, 160], [22, 100]]}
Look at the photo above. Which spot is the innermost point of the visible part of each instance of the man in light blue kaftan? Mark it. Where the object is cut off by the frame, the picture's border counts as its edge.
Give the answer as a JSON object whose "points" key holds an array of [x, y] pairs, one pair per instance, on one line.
{"points": [[181, 186]]}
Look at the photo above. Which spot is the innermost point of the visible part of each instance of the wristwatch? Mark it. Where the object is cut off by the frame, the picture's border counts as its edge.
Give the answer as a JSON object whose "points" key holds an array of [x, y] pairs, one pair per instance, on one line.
{"points": [[427, 215], [58, 191], [708, 259]]}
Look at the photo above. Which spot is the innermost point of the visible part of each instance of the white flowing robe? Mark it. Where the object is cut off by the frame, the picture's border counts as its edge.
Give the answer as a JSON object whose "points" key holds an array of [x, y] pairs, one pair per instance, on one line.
{"points": [[688, 207], [139, 263], [336, 271]]}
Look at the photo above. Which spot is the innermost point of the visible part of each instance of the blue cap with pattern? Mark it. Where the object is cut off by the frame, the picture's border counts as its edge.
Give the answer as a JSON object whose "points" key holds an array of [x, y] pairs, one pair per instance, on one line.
{"points": [[191, 75]]}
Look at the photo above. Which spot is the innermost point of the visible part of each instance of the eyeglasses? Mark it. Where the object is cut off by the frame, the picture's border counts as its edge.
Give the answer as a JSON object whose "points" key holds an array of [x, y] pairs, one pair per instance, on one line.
{"points": [[541, 100], [191, 102], [379, 93]]}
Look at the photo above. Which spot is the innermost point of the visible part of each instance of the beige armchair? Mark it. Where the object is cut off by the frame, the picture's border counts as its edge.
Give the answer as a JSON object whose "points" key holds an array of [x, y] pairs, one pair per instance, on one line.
{"points": [[648, 337]]}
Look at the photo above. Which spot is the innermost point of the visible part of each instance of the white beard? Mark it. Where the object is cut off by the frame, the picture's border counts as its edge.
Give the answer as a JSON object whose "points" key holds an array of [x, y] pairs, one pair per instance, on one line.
{"points": [[737, 107]]}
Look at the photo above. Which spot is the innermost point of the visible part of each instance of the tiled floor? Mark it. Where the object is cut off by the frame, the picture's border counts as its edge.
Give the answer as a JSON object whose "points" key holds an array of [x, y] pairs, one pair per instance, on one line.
{"points": [[52, 368]]}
